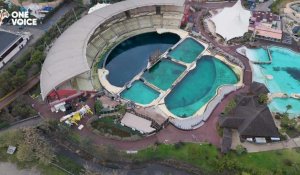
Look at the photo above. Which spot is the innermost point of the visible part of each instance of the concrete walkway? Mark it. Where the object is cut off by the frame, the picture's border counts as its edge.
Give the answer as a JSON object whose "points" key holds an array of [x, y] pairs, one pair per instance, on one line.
{"points": [[264, 6], [288, 144], [254, 147]]}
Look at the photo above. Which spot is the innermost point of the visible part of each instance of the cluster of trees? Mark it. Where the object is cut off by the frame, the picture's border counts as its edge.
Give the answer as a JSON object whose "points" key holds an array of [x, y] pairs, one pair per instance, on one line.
{"points": [[231, 105], [31, 145], [263, 98], [20, 109], [98, 107]]}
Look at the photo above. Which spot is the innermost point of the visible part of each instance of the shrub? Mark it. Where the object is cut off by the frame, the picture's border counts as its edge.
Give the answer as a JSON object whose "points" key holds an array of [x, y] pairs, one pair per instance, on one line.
{"points": [[231, 105], [98, 107], [263, 98], [240, 150]]}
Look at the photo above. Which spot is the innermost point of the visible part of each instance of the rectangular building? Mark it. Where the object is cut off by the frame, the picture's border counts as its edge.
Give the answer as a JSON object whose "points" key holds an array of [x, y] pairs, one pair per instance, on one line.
{"points": [[266, 25]]}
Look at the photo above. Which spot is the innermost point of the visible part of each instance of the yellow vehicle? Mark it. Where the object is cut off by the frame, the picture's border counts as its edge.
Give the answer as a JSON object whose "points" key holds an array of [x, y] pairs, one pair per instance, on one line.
{"points": [[76, 116]]}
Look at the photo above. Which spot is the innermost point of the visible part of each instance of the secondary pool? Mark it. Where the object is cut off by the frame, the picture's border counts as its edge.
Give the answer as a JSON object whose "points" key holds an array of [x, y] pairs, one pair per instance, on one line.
{"points": [[131, 56], [163, 74], [199, 86], [285, 70], [140, 93], [187, 51]]}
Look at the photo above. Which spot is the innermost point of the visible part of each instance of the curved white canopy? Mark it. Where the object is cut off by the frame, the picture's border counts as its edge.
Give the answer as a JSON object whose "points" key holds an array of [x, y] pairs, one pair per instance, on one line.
{"points": [[67, 57], [232, 22]]}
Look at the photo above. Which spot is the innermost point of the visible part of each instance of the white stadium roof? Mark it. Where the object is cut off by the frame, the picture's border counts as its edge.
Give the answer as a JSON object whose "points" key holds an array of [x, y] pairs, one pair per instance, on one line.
{"points": [[232, 22], [67, 58]]}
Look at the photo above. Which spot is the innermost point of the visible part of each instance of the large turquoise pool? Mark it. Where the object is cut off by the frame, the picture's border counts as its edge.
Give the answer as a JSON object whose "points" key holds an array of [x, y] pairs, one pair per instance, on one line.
{"points": [[187, 51], [285, 70], [140, 93], [163, 74], [199, 86]]}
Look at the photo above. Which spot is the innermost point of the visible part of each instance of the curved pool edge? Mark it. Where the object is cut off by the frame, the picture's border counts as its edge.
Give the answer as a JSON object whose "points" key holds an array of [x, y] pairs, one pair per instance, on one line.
{"points": [[201, 116], [259, 75]]}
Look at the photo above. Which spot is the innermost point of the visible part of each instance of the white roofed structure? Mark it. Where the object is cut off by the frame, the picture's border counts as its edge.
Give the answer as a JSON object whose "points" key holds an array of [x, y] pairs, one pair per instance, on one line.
{"points": [[67, 57], [97, 7], [232, 22], [137, 123]]}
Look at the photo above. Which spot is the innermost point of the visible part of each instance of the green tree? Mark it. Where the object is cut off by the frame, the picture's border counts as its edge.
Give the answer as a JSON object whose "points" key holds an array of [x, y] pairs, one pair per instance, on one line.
{"points": [[230, 106], [43, 151], [98, 107], [37, 57], [240, 149], [19, 79], [12, 137], [288, 123], [25, 153], [288, 107], [263, 98]]}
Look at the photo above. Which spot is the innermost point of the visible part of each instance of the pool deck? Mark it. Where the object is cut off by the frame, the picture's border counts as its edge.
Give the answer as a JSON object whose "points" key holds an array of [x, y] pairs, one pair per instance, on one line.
{"points": [[199, 118], [179, 32], [203, 113], [102, 74]]}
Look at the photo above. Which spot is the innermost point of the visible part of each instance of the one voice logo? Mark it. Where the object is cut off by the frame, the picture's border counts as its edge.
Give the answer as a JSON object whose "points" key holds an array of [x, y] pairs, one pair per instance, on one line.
{"points": [[17, 18]]}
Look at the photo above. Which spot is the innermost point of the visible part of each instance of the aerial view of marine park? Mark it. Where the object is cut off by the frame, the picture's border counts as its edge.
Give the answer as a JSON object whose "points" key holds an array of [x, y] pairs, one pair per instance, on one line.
{"points": [[149, 87]]}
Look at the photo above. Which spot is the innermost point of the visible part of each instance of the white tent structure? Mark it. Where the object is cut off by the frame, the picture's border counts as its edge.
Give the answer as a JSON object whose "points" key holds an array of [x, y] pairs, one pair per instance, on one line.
{"points": [[232, 22]]}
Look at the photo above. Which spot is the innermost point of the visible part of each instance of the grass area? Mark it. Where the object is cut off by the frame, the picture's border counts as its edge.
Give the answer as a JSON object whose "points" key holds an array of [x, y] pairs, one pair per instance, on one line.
{"points": [[111, 126], [50, 170], [3, 124], [278, 4], [207, 158], [74, 137], [44, 169], [69, 165]]}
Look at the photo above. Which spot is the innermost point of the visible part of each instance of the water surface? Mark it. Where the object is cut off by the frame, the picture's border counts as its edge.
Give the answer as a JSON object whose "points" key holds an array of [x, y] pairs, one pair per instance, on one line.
{"points": [[131, 56], [199, 86]]}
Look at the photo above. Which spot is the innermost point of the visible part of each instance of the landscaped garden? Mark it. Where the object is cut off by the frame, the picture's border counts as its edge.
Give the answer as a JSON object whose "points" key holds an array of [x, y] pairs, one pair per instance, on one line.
{"points": [[288, 125], [208, 159], [278, 4], [111, 125]]}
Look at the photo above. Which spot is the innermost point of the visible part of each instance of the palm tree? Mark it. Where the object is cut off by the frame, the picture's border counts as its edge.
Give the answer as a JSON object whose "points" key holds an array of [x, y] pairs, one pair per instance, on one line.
{"points": [[288, 107]]}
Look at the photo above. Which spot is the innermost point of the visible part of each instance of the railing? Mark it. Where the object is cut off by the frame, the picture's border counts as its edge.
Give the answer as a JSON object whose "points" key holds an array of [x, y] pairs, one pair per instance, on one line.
{"points": [[198, 120]]}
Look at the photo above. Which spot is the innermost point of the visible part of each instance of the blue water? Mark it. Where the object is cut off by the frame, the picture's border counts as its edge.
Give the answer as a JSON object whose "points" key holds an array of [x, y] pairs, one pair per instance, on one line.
{"points": [[164, 73], [258, 55], [187, 51], [131, 56], [199, 86], [140, 93], [285, 69], [279, 105]]}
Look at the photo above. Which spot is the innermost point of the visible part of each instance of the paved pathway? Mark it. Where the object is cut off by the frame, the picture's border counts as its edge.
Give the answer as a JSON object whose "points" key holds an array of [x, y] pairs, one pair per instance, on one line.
{"points": [[253, 147], [263, 6], [24, 124]]}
